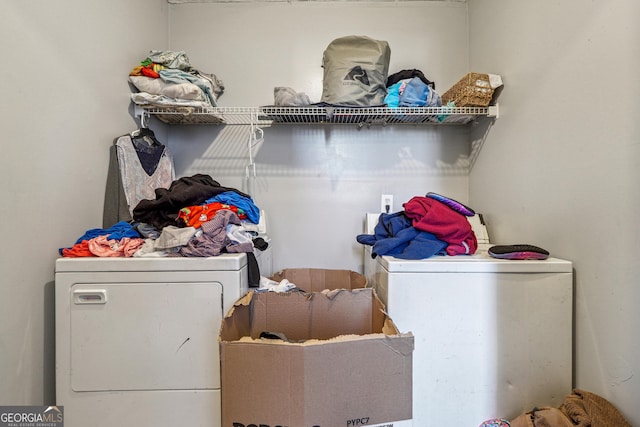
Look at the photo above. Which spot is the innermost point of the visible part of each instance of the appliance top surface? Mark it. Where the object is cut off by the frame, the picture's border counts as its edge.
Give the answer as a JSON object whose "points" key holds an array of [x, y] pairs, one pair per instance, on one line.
{"points": [[480, 262], [222, 262]]}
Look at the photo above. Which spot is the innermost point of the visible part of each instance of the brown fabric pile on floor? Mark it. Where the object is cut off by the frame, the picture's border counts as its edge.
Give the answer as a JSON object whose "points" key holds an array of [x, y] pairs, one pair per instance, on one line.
{"points": [[579, 409]]}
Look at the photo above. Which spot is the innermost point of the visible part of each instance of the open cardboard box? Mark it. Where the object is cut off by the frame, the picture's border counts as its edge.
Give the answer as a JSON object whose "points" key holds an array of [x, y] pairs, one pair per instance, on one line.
{"points": [[318, 279], [335, 359]]}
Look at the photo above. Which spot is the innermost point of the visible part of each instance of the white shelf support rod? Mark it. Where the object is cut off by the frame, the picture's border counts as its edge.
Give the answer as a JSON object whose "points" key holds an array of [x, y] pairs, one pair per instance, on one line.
{"points": [[256, 136], [143, 115]]}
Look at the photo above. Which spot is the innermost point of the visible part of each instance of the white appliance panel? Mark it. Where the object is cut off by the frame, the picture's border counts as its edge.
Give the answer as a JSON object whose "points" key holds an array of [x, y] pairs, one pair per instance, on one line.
{"points": [[223, 262], [114, 347], [158, 408], [480, 262], [137, 338], [493, 338]]}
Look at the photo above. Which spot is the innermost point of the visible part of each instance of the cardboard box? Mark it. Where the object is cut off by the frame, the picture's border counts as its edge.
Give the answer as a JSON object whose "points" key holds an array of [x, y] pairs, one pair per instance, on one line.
{"points": [[339, 361], [317, 279]]}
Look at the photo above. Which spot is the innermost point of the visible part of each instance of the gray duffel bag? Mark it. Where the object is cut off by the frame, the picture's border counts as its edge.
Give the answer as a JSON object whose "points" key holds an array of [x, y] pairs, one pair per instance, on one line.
{"points": [[355, 71]]}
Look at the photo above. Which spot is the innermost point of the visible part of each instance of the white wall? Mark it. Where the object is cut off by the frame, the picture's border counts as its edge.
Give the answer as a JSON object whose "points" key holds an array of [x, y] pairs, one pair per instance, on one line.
{"points": [[65, 97], [314, 182], [562, 165]]}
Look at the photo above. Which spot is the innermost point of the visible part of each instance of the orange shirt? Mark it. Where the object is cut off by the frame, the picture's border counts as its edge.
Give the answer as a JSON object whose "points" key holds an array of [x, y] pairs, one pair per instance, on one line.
{"points": [[194, 216]]}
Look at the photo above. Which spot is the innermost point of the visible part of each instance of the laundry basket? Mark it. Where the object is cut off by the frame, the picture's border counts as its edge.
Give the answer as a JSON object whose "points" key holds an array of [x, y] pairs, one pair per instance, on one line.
{"points": [[473, 90]]}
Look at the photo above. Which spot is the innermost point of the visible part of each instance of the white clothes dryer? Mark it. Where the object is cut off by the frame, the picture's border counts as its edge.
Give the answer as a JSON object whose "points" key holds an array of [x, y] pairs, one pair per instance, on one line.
{"points": [[493, 337], [137, 338]]}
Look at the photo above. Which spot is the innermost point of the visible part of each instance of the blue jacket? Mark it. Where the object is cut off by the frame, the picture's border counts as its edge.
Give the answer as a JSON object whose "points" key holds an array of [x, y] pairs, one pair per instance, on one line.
{"points": [[394, 235]]}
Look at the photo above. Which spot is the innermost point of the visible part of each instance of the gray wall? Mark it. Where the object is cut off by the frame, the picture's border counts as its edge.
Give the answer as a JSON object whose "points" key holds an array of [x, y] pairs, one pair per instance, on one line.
{"points": [[562, 166], [558, 168], [64, 98], [316, 183]]}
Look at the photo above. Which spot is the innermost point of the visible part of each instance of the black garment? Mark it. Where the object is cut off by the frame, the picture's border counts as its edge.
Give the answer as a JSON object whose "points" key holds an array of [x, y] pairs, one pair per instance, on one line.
{"points": [[184, 192], [260, 243], [409, 74], [149, 149], [253, 270]]}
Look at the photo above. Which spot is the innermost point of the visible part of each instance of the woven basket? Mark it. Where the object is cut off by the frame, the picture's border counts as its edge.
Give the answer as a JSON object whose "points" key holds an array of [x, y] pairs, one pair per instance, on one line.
{"points": [[473, 90]]}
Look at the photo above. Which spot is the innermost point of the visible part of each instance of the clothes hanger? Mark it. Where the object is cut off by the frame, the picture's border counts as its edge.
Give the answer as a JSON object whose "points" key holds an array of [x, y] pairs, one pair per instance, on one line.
{"points": [[143, 125], [144, 133]]}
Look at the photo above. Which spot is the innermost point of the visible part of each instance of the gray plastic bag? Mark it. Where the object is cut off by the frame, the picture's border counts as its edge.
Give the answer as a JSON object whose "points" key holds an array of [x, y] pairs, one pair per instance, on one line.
{"points": [[355, 71]]}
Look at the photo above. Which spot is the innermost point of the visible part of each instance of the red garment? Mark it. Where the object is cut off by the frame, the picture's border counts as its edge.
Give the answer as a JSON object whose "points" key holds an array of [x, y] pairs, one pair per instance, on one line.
{"points": [[78, 250], [435, 217], [195, 216], [149, 72]]}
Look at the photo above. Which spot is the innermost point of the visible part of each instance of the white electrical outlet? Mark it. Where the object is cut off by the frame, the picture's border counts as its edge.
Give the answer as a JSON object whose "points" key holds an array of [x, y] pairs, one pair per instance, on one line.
{"points": [[386, 203]]}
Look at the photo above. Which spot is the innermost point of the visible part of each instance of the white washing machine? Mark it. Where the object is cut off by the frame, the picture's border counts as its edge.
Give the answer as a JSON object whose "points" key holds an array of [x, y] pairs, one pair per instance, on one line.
{"points": [[137, 338], [493, 338]]}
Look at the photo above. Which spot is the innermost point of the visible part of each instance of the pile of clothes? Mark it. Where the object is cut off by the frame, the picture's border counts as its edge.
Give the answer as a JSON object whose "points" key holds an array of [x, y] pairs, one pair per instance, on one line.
{"points": [[579, 409], [194, 217], [410, 88], [167, 79], [429, 225]]}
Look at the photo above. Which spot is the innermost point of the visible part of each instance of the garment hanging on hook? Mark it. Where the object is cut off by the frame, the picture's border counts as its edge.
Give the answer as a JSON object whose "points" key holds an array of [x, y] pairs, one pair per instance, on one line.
{"points": [[143, 168], [145, 136], [137, 168], [148, 149]]}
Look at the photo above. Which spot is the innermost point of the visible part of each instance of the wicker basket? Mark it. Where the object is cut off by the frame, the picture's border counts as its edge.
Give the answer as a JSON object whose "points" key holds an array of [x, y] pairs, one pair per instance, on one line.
{"points": [[473, 90]]}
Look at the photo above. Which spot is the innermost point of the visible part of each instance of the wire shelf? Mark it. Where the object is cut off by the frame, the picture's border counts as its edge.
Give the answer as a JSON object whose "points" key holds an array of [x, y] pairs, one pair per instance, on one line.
{"points": [[274, 115], [374, 115]]}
